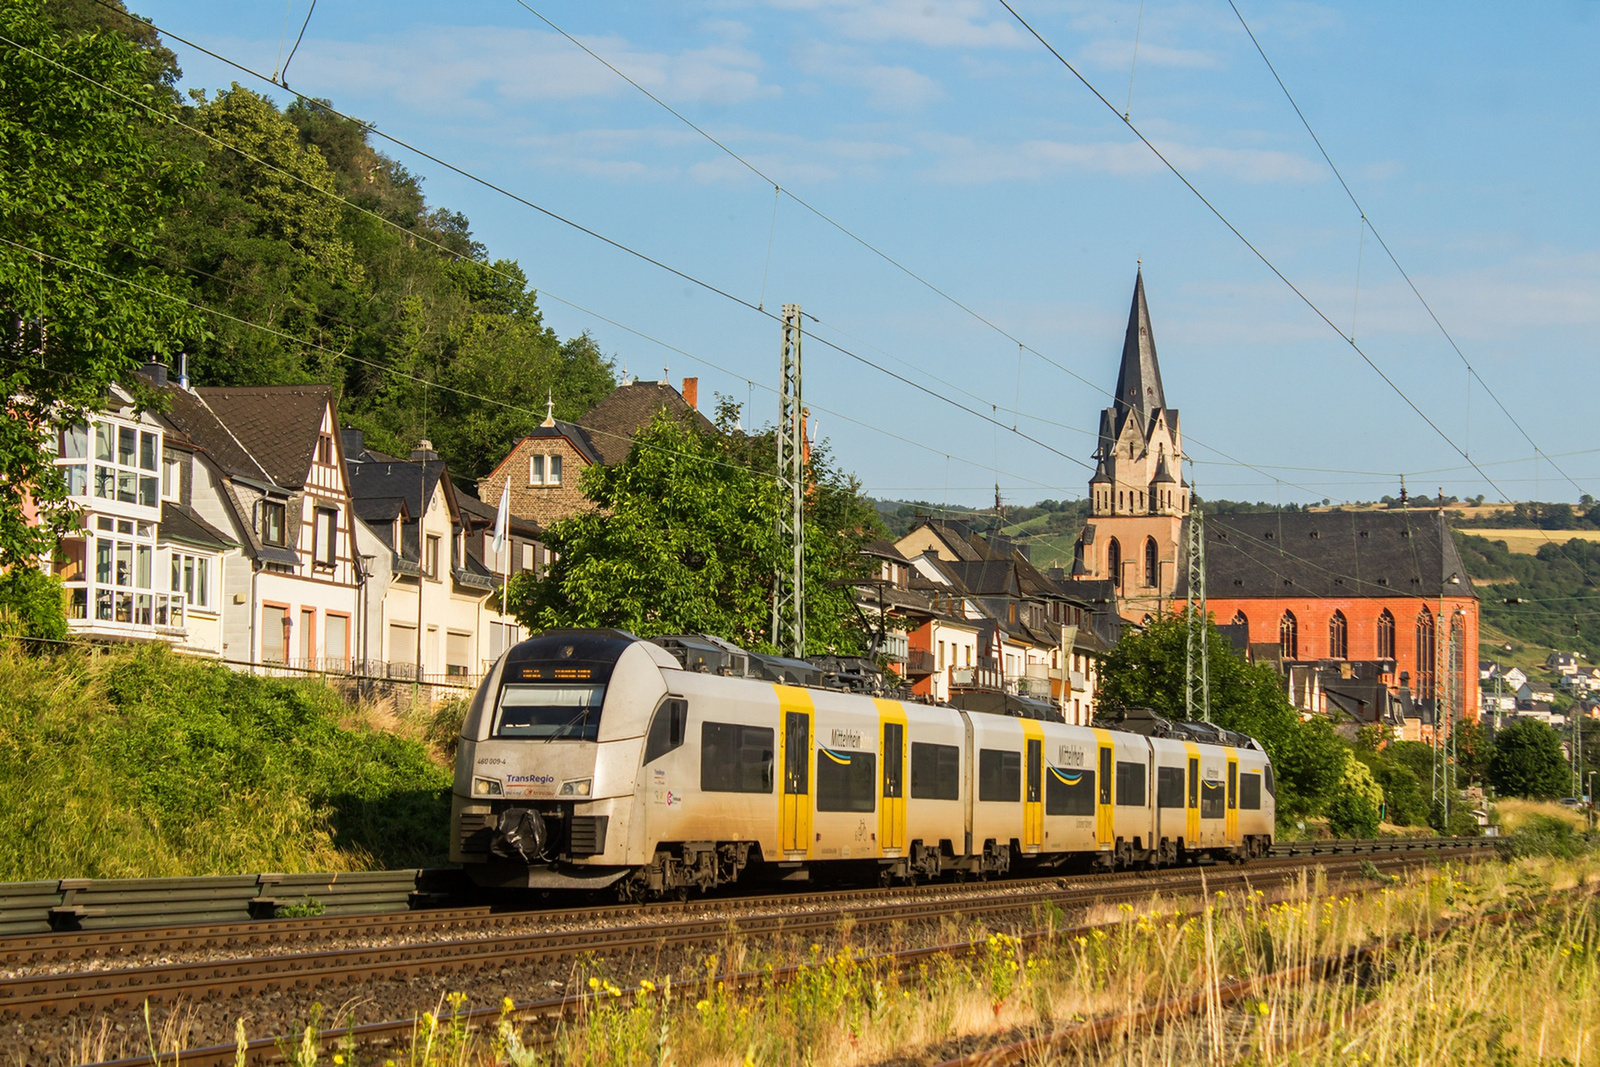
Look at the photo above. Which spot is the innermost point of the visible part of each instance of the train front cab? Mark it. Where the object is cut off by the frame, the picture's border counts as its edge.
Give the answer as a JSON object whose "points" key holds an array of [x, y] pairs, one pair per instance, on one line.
{"points": [[548, 760]]}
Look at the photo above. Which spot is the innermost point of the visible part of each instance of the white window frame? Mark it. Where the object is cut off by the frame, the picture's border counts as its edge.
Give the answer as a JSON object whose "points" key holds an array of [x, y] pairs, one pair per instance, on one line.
{"points": [[536, 469], [552, 468], [325, 543]]}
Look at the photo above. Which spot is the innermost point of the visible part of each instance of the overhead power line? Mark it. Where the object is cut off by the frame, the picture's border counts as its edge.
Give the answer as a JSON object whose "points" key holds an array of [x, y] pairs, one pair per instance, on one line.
{"points": [[1471, 370], [937, 290], [1268, 263], [708, 286]]}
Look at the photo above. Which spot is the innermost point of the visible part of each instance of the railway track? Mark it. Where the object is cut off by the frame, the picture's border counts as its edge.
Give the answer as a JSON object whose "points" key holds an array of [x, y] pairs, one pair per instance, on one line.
{"points": [[461, 956], [23, 950]]}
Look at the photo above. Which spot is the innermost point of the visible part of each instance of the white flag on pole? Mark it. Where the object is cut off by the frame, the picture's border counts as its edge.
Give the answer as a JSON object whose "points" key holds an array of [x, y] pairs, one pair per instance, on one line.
{"points": [[502, 517]]}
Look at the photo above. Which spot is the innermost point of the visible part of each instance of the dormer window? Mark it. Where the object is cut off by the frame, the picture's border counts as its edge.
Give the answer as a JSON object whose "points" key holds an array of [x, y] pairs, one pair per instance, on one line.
{"points": [[544, 470], [273, 516]]}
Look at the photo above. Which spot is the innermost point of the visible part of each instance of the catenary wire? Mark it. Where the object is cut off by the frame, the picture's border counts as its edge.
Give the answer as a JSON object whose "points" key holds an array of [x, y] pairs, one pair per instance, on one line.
{"points": [[1226, 222], [1387, 250], [868, 245], [618, 245]]}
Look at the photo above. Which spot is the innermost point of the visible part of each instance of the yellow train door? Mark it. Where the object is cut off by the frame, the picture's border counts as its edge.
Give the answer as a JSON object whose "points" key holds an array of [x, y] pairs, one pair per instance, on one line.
{"points": [[1191, 820], [1104, 813], [1232, 820], [1033, 787], [794, 806], [893, 758]]}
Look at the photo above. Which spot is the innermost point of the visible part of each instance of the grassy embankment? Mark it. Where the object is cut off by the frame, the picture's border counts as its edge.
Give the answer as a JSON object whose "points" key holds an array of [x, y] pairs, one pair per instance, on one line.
{"points": [[127, 764]]}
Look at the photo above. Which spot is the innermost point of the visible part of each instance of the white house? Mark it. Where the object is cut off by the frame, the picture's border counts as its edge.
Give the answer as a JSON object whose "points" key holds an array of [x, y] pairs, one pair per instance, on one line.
{"points": [[438, 575], [143, 564]]}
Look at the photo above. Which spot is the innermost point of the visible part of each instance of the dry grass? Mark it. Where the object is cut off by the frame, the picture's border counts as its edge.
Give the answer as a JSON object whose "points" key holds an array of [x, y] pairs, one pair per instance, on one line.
{"points": [[1528, 541], [1500, 994], [1515, 814]]}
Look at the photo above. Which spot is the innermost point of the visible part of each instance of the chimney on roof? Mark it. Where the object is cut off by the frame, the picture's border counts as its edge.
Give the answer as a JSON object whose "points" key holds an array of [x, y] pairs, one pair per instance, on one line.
{"points": [[156, 371], [183, 370], [691, 392], [424, 452]]}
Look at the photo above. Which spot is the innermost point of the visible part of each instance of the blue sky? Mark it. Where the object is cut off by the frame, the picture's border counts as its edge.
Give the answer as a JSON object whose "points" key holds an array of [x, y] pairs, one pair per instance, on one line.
{"points": [[947, 137]]}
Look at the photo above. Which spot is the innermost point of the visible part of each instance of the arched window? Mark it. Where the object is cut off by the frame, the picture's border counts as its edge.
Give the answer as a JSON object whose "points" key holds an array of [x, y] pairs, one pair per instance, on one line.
{"points": [[1386, 635], [1241, 619], [1427, 656], [1289, 636], [1338, 637], [1152, 566], [1114, 562]]}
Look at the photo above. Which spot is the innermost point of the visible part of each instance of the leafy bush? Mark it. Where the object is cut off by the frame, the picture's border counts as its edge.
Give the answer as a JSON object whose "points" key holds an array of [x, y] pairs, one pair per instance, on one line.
{"points": [[147, 763], [1350, 814], [31, 605], [1545, 835]]}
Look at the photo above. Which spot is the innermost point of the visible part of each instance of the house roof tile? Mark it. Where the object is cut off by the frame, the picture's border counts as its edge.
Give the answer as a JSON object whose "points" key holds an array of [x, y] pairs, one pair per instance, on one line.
{"points": [[613, 423]]}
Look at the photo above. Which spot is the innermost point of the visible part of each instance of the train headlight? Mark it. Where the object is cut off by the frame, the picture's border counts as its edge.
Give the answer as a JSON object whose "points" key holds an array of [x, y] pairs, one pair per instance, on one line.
{"points": [[486, 787], [578, 787]]}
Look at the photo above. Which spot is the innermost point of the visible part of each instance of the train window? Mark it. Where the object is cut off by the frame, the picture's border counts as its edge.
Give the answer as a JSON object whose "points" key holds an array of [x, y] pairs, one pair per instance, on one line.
{"points": [[846, 781], [548, 712], [666, 729], [1212, 800], [1069, 791], [935, 772], [999, 775], [1105, 775], [735, 759], [1130, 784], [1194, 783], [1272, 789], [1233, 785], [894, 759], [1169, 787], [1250, 792]]}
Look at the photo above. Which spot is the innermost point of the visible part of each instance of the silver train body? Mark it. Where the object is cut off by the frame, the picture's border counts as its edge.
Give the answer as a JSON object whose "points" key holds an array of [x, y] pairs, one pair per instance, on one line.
{"points": [[591, 758]]}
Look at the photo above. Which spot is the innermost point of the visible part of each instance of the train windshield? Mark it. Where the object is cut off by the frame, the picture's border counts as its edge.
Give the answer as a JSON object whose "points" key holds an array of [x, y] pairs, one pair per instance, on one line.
{"points": [[548, 712]]}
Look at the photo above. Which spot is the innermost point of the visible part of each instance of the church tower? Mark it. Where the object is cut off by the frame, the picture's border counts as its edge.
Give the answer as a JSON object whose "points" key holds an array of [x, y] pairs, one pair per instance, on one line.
{"points": [[1138, 496]]}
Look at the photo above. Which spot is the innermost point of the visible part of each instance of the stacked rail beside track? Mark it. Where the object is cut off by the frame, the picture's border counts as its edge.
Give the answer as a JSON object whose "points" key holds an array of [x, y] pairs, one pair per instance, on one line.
{"points": [[116, 903]]}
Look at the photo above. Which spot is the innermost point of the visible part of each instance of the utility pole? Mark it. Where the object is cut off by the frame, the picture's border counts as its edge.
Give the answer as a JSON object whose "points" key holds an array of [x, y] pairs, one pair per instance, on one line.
{"points": [[788, 592], [1198, 630]]}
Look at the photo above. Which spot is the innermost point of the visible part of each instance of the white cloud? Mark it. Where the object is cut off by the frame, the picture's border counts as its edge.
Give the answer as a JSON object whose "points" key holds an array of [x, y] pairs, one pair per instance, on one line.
{"points": [[1118, 54], [935, 23], [963, 160], [892, 88], [451, 71]]}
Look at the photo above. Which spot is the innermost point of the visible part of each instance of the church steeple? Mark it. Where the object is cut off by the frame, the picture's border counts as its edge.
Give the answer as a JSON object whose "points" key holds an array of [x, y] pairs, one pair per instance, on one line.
{"points": [[1139, 379]]}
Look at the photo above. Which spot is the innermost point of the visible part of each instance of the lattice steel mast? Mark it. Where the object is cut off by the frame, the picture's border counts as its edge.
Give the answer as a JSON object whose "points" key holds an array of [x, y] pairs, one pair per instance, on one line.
{"points": [[1197, 617], [788, 599]]}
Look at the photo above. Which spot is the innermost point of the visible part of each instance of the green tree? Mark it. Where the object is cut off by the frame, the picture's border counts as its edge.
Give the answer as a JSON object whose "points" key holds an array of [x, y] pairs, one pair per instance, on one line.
{"points": [[1528, 762], [85, 189], [682, 539], [1146, 669]]}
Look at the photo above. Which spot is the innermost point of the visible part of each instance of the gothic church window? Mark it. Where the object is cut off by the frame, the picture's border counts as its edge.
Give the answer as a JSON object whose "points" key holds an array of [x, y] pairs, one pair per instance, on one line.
{"points": [[1114, 562], [1426, 655], [1386, 635], [1338, 637], [1241, 619], [1151, 563], [1289, 636]]}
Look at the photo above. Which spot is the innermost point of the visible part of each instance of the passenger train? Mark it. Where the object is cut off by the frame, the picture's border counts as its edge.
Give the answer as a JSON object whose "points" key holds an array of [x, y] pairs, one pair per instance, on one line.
{"points": [[593, 759]]}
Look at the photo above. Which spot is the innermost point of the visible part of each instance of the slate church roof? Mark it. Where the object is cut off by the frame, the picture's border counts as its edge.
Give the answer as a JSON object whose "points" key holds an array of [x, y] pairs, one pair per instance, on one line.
{"points": [[1331, 554]]}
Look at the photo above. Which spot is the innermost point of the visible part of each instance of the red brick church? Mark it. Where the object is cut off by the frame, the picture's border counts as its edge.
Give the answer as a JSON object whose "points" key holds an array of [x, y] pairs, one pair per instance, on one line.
{"points": [[1369, 615]]}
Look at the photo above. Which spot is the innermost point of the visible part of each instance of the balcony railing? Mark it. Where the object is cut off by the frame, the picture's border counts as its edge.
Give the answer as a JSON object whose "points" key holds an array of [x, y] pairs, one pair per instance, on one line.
{"points": [[919, 661]]}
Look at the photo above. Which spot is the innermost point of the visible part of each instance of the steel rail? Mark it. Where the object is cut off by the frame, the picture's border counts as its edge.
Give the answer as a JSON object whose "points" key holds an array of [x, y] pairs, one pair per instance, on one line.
{"points": [[22, 949], [270, 1050], [51, 993]]}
